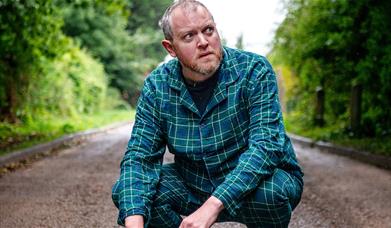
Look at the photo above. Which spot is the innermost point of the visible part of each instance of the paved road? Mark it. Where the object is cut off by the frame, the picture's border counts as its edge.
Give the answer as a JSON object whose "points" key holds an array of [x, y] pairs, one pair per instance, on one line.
{"points": [[72, 189]]}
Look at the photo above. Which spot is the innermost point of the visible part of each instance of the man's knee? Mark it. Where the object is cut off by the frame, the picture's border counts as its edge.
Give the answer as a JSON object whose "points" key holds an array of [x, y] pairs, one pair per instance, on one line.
{"points": [[272, 202], [280, 189], [169, 190], [115, 190]]}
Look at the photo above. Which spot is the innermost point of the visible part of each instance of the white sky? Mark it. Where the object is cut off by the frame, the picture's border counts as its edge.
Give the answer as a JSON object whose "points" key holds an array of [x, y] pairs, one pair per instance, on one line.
{"points": [[255, 19]]}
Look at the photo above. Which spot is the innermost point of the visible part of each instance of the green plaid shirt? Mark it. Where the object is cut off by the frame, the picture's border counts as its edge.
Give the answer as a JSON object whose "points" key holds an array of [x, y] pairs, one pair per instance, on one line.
{"points": [[226, 151]]}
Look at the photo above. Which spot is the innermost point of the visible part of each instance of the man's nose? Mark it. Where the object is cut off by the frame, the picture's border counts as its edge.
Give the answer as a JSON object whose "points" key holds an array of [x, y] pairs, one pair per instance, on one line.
{"points": [[202, 41]]}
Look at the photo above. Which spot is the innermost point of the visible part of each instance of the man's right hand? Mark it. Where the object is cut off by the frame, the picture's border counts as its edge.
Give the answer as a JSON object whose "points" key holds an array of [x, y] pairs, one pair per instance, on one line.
{"points": [[134, 221]]}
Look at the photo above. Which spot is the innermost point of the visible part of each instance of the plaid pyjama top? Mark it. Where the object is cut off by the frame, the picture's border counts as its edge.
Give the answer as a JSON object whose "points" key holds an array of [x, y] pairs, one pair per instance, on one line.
{"points": [[226, 151]]}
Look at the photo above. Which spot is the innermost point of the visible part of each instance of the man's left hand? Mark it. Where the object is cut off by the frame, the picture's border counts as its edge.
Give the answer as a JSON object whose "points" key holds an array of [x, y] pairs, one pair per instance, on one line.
{"points": [[205, 216]]}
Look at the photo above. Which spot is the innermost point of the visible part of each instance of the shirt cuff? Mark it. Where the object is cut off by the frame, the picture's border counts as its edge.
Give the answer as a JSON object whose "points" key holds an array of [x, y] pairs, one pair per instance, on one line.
{"points": [[225, 194], [123, 214]]}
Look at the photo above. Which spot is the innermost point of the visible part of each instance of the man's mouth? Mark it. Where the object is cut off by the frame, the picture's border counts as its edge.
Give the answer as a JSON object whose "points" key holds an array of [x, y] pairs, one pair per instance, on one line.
{"points": [[205, 54]]}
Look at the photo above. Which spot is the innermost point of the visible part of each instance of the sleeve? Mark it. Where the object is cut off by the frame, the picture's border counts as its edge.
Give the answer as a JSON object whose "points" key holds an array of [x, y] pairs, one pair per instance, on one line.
{"points": [[260, 159], [141, 164]]}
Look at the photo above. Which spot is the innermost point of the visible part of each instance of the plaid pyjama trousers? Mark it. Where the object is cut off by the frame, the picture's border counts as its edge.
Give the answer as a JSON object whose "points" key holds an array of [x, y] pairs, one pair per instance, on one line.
{"points": [[269, 205]]}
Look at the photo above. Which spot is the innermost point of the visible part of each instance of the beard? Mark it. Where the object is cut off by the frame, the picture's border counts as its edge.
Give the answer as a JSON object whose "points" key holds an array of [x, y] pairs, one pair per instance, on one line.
{"points": [[204, 67], [209, 67]]}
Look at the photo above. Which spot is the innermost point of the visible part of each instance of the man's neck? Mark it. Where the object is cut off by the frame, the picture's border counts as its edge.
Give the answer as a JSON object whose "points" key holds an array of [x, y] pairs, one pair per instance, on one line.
{"points": [[193, 78]]}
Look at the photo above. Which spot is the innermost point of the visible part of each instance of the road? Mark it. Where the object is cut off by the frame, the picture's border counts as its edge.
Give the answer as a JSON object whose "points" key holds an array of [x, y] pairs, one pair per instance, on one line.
{"points": [[73, 189]]}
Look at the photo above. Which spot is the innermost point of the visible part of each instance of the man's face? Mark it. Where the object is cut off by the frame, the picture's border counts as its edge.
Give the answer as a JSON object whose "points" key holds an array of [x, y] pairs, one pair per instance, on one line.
{"points": [[196, 42]]}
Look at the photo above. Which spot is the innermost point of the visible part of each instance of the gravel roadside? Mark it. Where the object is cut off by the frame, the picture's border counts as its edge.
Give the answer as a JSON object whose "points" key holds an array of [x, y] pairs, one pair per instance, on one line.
{"points": [[73, 188]]}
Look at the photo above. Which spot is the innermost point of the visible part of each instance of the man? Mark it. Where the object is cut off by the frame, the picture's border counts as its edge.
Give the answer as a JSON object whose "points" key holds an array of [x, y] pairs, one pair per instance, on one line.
{"points": [[217, 111]]}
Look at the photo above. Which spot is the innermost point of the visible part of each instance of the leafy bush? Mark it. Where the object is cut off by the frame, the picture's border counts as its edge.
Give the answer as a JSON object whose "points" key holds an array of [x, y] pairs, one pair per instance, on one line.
{"points": [[29, 35], [70, 85], [335, 45]]}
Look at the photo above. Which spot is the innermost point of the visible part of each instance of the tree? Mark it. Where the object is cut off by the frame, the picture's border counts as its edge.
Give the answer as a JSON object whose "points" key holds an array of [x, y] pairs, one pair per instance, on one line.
{"points": [[128, 46], [146, 14], [29, 33], [336, 44], [100, 27]]}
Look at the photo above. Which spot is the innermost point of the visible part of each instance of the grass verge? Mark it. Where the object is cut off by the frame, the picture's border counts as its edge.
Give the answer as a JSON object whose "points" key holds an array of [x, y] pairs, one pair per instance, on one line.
{"points": [[336, 135], [18, 136]]}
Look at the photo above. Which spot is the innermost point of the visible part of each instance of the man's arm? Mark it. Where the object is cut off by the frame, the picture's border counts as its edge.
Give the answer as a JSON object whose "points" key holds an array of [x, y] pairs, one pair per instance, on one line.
{"points": [[134, 221], [141, 164], [264, 143]]}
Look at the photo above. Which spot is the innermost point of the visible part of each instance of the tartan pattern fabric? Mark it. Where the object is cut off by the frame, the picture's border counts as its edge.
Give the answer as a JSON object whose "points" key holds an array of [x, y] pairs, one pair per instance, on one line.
{"points": [[269, 205], [226, 151]]}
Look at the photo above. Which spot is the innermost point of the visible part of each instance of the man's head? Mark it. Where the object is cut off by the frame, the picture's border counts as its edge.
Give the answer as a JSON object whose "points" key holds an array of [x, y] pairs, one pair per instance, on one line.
{"points": [[191, 36]]}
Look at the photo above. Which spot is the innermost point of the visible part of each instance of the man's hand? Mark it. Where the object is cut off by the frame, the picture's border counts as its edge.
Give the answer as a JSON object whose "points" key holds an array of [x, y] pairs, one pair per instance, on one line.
{"points": [[205, 216], [134, 221]]}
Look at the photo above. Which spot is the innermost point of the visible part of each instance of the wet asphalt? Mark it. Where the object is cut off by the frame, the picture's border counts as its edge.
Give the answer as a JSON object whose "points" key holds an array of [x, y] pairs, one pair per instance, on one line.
{"points": [[73, 189]]}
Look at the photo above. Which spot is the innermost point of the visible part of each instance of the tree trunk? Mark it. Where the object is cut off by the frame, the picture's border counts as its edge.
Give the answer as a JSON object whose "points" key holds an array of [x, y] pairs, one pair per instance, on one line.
{"points": [[11, 99]]}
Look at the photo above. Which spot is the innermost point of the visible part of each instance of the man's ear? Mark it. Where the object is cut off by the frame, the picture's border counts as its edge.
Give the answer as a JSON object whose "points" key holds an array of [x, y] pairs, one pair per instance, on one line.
{"points": [[169, 47]]}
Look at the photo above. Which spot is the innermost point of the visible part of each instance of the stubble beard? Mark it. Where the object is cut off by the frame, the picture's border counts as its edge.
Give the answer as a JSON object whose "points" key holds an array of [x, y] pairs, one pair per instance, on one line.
{"points": [[207, 68], [210, 67]]}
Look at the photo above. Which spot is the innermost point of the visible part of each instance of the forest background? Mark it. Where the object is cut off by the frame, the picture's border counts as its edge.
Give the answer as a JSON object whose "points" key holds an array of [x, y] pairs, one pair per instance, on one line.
{"points": [[67, 66], [334, 57]]}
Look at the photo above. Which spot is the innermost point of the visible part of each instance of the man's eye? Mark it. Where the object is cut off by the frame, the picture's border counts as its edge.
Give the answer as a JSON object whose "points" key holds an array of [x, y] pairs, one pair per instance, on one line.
{"points": [[188, 36], [209, 30]]}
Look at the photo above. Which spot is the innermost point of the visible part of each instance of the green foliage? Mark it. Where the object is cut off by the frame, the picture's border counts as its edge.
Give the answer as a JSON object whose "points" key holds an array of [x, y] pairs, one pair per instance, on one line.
{"points": [[29, 33], [143, 26], [103, 33], [48, 85], [70, 85], [17, 136], [42, 72], [146, 14], [335, 134], [129, 47], [337, 44]]}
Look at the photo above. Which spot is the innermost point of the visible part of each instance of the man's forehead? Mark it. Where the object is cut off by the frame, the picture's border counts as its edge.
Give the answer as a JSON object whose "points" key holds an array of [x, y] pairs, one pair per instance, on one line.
{"points": [[182, 17]]}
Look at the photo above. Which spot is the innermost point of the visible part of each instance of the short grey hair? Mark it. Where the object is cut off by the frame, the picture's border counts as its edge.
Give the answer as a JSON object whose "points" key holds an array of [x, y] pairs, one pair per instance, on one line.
{"points": [[164, 22]]}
